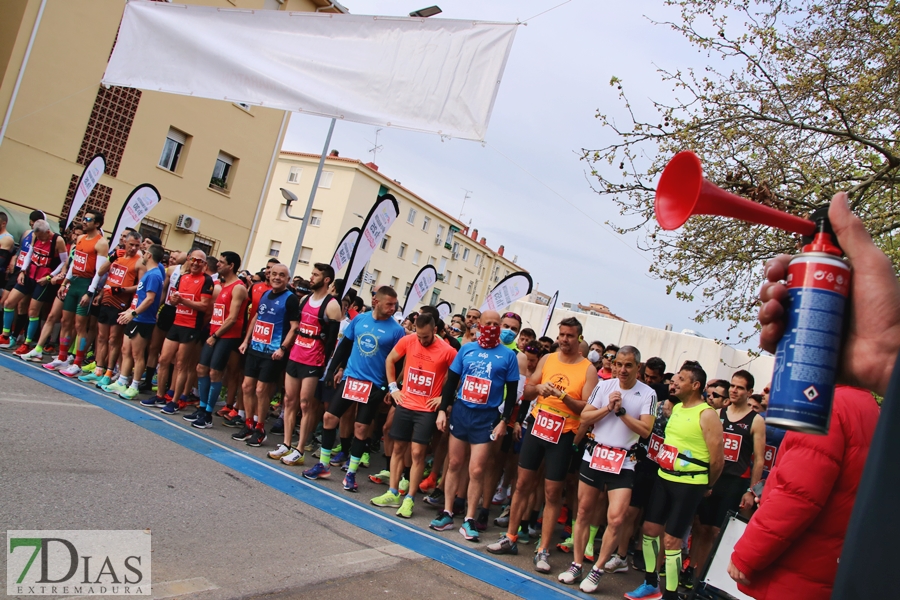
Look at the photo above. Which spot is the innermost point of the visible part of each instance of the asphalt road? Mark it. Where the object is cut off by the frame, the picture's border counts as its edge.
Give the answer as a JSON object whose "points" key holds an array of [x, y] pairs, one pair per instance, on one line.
{"points": [[227, 522]]}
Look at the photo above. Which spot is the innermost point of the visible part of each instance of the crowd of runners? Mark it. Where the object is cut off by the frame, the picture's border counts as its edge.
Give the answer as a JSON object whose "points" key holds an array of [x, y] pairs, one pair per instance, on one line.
{"points": [[597, 458]]}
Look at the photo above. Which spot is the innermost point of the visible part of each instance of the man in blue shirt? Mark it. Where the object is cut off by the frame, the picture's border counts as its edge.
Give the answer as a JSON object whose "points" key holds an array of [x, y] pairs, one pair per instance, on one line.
{"points": [[483, 376], [368, 340]]}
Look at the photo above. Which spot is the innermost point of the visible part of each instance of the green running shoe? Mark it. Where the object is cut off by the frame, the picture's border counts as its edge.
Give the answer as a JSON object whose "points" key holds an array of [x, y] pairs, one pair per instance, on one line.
{"points": [[406, 509], [104, 381], [114, 388], [89, 368], [129, 393], [387, 499]]}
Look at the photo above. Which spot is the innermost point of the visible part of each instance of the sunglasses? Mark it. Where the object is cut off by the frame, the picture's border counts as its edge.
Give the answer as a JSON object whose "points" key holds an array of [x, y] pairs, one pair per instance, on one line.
{"points": [[609, 356], [198, 260], [512, 315], [88, 220], [717, 395]]}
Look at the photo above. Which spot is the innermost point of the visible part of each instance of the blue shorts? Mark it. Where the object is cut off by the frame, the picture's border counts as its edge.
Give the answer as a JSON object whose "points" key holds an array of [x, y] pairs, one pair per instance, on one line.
{"points": [[473, 425]]}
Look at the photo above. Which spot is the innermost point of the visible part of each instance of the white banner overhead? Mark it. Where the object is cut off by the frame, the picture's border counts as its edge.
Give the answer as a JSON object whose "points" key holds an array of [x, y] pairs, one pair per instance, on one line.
{"points": [[511, 288], [433, 75]]}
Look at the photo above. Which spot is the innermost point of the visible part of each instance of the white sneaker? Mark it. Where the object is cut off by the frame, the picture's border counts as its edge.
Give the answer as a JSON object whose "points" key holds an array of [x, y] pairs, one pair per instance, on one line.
{"points": [[71, 371], [55, 364], [70, 359], [279, 452], [295, 458], [616, 564], [499, 497], [32, 356]]}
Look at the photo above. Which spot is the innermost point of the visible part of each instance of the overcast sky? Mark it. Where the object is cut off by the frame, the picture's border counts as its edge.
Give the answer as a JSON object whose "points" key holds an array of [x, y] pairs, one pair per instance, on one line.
{"points": [[556, 78]]}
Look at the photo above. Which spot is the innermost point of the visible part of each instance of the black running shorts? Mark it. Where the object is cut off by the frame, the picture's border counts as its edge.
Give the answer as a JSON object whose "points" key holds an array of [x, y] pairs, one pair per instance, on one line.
{"points": [[365, 411], [726, 496], [216, 356], [605, 481], [182, 334], [262, 367], [674, 504], [166, 317], [301, 371], [413, 425], [555, 456], [145, 330]]}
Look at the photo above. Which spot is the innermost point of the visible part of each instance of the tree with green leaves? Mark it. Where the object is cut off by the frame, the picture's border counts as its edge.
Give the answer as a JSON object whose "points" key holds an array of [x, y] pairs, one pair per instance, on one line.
{"points": [[801, 99]]}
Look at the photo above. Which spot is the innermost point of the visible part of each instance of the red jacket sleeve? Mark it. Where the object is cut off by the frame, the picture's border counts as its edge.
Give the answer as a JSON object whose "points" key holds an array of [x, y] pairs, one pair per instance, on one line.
{"points": [[795, 493]]}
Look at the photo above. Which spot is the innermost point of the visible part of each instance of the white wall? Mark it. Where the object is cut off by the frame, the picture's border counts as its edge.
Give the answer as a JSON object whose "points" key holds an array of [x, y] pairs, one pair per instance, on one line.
{"points": [[718, 360]]}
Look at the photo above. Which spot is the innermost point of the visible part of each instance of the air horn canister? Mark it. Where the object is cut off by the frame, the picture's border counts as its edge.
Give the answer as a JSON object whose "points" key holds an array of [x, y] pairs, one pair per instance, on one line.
{"points": [[818, 282]]}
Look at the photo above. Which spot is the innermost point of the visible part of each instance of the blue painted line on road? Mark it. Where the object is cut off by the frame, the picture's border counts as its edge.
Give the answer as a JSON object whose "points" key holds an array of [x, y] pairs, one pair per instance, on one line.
{"points": [[424, 542]]}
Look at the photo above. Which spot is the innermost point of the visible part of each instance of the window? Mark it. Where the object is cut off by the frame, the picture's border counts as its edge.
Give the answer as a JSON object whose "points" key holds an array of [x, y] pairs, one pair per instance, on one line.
{"points": [[455, 248], [443, 265], [172, 149], [325, 180], [221, 176], [375, 275], [408, 287], [426, 222], [411, 218], [402, 252], [431, 260], [315, 218], [152, 227], [416, 257], [465, 255], [294, 175], [440, 232], [458, 281], [450, 236], [435, 297], [477, 259], [305, 255], [447, 275], [208, 245], [274, 248], [469, 289], [394, 282], [384, 243]]}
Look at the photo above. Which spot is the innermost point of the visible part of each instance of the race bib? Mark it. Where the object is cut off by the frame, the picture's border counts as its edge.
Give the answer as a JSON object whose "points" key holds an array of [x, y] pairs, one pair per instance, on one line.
{"points": [[310, 330], [654, 446], [548, 426], [771, 451], [218, 316], [117, 274], [181, 309], [732, 446], [666, 457], [476, 389], [20, 260], [262, 332], [40, 258], [134, 303], [79, 260], [357, 390], [607, 459], [419, 382]]}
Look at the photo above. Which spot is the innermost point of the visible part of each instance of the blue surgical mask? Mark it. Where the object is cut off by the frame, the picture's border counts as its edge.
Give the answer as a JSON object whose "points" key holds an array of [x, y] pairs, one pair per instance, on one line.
{"points": [[507, 336]]}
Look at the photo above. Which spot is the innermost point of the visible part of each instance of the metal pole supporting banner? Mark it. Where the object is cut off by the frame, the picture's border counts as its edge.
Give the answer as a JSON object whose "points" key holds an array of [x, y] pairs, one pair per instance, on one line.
{"points": [[312, 196]]}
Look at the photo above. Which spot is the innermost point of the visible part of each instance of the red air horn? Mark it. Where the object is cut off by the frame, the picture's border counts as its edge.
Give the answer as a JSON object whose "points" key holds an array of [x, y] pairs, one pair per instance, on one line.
{"points": [[682, 192]]}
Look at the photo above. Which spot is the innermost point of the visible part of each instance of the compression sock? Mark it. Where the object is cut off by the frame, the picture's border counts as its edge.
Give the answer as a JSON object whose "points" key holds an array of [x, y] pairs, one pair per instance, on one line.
{"points": [[215, 388], [9, 316], [673, 570], [203, 385], [34, 329], [64, 348], [82, 350], [20, 325], [357, 447], [650, 547], [328, 437], [593, 536], [345, 444]]}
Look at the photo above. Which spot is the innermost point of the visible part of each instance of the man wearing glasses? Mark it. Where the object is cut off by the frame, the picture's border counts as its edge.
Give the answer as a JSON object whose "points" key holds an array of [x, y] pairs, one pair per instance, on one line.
{"points": [[606, 370], [717, 393]]}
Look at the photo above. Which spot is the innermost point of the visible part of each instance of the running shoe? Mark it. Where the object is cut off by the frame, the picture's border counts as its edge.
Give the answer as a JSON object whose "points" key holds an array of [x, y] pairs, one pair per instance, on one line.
{"points": [[295, 458], [319, 471], [459, 506], [387, 499], [115, 388], [130, 393], [381, 478], [50, 350], [350, 482], [503, 546], [277, 427], [257, 438], [645, 591], [151, 401], [183, 402], [616, 564], [225, 412], [503, 519], [170, 408], [243, 434], [312, 446], [90, 377], [500, 497], [201, 422], [542, 561], [573, 574], [338, 459], [22, 350], [406, 509], [590, 583], [589, 551], [234, 422], [481, 522], [637, 561], [154, 380], [103, 381], [89, 367], [435, 498], [194, 415], [33, 356], [144, 387], [404, 484], [364, 460], [563, 515], [469, 531], [442, 522], [280, 452], [428, 484], [687, 577], [566, 546], [72, 370], [5, 342]]}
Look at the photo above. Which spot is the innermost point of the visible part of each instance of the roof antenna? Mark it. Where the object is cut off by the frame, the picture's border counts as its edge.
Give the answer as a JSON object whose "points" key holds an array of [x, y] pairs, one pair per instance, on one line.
{"points": [[466, 197], [375, 147]]}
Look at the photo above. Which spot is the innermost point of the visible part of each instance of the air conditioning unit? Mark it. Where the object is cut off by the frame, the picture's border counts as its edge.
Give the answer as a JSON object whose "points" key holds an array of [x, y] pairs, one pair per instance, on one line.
{"points": [[437, 240], [188, 223], [455, 256], [440, 276]]}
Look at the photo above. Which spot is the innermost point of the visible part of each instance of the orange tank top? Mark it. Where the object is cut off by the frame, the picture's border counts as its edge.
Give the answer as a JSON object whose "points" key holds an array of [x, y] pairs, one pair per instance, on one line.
{"points": [[122, 273], [563, 376], [85, 257]]}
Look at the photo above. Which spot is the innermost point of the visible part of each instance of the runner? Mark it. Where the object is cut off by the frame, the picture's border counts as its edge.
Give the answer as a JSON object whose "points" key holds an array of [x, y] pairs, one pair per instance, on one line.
{"points": [[690, 461], [192, 299], [368, 340], [483, 376], [7, 247], [43, 264], [473, 315], [164, 319], [560, 383], [121, 284], [426, 360], [270, 334], [320, 317], [12, 278], [619, 412], [80, 286], [139, 322], [226, 329]]}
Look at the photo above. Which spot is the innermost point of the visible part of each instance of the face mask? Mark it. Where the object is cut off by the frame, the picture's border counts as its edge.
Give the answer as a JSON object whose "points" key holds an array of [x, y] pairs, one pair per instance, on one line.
{"points": [[594, 356], [507, 336], [490, 336]]}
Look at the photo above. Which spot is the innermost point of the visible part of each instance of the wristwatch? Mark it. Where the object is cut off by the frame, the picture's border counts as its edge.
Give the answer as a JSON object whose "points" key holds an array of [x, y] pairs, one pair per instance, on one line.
{"points": [[134, 314], [620, 412]]}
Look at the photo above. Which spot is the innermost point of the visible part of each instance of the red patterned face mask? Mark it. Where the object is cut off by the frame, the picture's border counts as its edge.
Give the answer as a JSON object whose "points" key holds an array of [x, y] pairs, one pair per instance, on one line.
{"points": [[490, 336]]}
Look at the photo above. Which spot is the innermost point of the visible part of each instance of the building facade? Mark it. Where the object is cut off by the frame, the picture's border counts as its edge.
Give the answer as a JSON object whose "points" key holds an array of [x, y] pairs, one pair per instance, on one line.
{"points": [[422, 234], [210, 160]]}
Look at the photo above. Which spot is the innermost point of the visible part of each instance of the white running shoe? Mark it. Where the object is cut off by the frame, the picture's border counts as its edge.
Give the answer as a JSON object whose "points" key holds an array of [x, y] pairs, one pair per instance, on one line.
{"points": [[55, 364], [616, 564], [32, 356], [280, 452], [71, 371]]}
